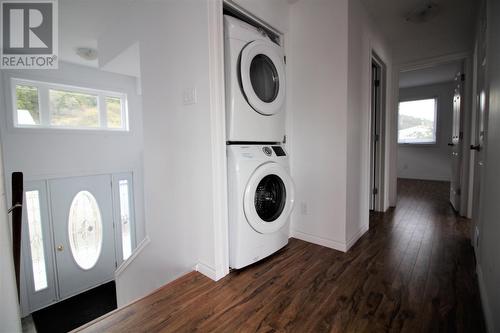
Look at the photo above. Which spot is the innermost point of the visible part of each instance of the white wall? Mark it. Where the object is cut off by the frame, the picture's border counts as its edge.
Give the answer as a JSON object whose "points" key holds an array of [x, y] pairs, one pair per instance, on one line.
{"points": [[317, 69], [364, 38], [177, 138], [9, 309], [489, 246], [329, 67], [430, 162]]}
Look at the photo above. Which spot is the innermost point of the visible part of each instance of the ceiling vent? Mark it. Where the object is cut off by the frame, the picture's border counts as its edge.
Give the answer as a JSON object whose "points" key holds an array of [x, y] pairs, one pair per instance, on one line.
{"points": [[423, 13]]}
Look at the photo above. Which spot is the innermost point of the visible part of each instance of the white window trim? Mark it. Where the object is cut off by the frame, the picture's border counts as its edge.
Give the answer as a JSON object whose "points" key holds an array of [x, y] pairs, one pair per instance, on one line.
{"points": [[436, 122], [44, 107]]}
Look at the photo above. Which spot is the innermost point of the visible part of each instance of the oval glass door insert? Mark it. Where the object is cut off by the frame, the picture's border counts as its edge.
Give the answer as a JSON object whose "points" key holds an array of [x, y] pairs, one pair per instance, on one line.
{"points": [[85, 230]]}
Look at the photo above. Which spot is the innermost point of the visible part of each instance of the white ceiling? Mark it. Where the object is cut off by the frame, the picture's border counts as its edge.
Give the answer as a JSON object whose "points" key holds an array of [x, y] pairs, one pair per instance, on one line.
{"points": [[453, 26], [431, 75], [390, 17], [82, 22]]}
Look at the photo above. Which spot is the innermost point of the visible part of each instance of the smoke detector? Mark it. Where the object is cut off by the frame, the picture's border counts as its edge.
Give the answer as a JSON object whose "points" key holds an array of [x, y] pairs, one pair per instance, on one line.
{"points": [[423, 13], [87, 53]]}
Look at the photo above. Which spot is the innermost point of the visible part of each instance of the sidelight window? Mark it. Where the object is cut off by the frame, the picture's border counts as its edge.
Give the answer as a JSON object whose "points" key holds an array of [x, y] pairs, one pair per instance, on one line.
{"points": [[36, 240], [125, 219]]}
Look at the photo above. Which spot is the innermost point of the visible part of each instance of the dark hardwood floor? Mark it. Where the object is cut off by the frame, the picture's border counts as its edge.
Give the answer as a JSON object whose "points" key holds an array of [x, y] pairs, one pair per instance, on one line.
{"points": [[412, 272]]}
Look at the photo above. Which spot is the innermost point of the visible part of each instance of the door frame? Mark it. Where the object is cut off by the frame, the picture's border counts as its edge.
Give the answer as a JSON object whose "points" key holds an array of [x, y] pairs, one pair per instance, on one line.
{"points": [[377, 133], [466, 57]]}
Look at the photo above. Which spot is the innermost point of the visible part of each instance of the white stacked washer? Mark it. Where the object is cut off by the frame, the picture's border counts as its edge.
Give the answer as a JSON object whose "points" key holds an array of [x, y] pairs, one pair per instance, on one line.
{"points": [[255, 84], [261, 191], [261, 198]]}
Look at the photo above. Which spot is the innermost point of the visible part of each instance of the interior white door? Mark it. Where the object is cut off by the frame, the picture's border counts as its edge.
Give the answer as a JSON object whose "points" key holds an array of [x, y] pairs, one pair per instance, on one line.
{"points": [[480, 126], [83, 232], [456, 144]]}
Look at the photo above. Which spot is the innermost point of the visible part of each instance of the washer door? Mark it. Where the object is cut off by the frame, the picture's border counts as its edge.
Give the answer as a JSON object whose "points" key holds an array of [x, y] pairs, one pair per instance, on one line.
{"points": [[268, 198], [262, 73]]}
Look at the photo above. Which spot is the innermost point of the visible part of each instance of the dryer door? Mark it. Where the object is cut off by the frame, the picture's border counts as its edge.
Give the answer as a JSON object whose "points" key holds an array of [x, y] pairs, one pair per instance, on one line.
{"points": [[262, 73], [268, 198]]}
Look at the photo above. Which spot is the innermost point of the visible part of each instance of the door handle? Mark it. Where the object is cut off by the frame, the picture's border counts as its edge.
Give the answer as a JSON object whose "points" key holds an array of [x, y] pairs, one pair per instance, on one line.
{"points": [[60, 248], [451, 144], [475, 147]]}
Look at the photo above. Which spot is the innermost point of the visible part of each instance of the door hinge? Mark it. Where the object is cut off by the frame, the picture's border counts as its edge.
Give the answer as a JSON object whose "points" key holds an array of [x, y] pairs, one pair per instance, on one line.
{"points": [[377, 137], [116, 264], [462, 77], [375, 191], [458, 191], [377, 83], [284, 59]]}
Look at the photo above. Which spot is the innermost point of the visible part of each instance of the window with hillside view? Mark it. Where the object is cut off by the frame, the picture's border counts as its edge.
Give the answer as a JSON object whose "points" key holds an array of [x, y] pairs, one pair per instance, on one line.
{"points": [[48, 105], [417, 121]]}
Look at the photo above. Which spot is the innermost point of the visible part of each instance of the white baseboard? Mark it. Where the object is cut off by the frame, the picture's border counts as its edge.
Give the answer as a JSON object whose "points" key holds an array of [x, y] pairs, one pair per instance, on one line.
{"points": [[357, 236], [207, 271], [484, 301], [333, 244]]}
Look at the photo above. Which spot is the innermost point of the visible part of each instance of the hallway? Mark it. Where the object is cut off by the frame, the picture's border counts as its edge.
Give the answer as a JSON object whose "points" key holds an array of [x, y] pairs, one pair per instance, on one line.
{"points": [[412, 272]]}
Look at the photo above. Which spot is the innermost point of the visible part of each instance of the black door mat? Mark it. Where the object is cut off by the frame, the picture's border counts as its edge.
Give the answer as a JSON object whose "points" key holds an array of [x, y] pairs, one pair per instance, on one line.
{"points": [[77, 310]]}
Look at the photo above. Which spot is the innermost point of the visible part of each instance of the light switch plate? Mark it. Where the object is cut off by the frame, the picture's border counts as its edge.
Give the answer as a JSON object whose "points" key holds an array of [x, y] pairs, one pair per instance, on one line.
{"points": [[189, 96]]}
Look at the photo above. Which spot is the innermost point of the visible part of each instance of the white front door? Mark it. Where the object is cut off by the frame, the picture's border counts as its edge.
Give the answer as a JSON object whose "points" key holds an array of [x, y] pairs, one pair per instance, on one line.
{"points": [[83, 232]]}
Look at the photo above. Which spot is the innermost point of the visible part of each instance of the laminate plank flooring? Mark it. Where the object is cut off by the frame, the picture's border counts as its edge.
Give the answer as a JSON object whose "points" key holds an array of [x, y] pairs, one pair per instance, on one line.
{"points": [[412, 272]]}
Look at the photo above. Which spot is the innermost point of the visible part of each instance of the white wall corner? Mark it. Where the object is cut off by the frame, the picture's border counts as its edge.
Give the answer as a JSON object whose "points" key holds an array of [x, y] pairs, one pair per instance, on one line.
{"points": [[218, 140], [357, 236], [330, 243], [490, 325], [208, 271]]}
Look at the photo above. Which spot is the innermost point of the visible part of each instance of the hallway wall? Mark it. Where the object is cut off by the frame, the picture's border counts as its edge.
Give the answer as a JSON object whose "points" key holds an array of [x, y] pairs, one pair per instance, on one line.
{"points": [[317, 71], [430, 162], [489, 246], [330, 46]]}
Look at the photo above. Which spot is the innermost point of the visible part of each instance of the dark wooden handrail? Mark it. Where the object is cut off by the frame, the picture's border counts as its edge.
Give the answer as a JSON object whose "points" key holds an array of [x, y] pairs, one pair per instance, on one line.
{"points": [[17, 218]]}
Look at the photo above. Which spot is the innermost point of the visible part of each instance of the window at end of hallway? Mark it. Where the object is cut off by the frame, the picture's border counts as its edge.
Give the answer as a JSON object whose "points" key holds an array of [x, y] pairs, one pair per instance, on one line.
{"points": [[417, 121]]}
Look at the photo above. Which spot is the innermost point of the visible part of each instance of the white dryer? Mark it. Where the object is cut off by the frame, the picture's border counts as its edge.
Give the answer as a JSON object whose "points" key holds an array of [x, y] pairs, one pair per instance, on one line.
{"points": [[261, 198], [255, 84]]}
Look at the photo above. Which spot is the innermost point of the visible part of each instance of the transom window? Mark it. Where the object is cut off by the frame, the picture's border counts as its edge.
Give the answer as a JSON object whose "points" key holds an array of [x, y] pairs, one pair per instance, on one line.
{"points": [[46, 105], [417, 121]]}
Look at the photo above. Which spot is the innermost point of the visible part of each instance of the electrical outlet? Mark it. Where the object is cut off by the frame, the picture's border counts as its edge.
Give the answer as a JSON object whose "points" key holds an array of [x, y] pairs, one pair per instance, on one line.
{"points": [[303, 208]]}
